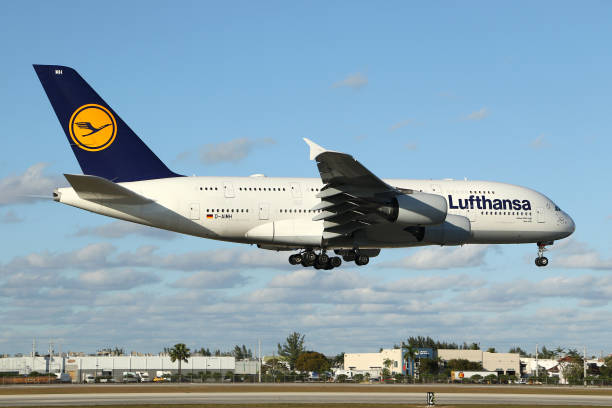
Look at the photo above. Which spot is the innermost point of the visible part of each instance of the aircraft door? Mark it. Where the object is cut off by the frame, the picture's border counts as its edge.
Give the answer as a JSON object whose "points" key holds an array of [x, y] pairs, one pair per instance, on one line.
{"points": [[540, 214], [228, 189], [194, 211], [296, 191], [264, 211]]}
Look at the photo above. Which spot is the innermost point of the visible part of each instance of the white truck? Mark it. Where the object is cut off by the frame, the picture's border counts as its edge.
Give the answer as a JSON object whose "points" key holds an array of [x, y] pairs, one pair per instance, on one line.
{"points": [[130, 377], [143, 376]]}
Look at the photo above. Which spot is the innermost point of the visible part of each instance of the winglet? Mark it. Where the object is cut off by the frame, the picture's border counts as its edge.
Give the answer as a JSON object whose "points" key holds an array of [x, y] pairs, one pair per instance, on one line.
{"points": [[315, 149]]}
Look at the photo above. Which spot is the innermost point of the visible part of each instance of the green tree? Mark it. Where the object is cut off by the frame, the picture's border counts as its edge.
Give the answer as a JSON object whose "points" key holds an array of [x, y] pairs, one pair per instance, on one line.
{"points": [[491, 350], [179, 353], [518, 350], [312, 361], [559, 351], [409, 355], [292, 348], [338, 360], [460, 364], [491, 378], [428, 342], [428, 366], [242, 353]]}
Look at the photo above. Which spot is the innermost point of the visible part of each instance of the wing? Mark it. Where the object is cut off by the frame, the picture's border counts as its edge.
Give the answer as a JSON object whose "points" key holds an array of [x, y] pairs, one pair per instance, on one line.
{"points": [[352, 197]]}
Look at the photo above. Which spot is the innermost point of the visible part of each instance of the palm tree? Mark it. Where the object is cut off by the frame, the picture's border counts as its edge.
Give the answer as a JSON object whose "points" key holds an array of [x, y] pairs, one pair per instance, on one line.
{"points": [[388, 363], [181, 353], [410, 353]]}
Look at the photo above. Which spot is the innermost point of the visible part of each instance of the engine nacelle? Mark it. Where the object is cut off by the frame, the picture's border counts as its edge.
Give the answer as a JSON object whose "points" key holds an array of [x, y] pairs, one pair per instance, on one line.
{"points": [[456, 230], [416, 209]]}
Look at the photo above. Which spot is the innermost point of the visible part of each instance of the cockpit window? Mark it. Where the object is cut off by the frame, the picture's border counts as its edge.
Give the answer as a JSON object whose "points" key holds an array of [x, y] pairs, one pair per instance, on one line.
{"points": [[557, 208]]}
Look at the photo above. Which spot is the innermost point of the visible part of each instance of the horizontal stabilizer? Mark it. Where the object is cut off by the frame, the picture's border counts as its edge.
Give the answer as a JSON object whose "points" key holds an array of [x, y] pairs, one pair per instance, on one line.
{"points": [[100, 190]]}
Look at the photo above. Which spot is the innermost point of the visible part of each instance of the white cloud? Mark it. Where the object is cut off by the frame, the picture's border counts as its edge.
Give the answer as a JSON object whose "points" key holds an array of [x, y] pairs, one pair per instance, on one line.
{"points": [[443, 258], [587, 260], [125, 279], [120, 229], [212, 280], [401, 124], [539, 142], [231, 151], [355, 81], [20, 188], [10, 217], [105, 255], [478, 115], [579, 255]]}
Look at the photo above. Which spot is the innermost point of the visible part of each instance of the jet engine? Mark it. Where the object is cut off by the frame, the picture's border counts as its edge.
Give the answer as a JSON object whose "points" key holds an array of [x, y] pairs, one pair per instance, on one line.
{"points": [[415, 209], [456, 230]]}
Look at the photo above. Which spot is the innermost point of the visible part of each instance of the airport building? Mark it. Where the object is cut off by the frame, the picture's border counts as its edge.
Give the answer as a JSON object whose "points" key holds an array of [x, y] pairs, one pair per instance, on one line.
{"points": [[400, 363], [78, 367], [500, 363]]}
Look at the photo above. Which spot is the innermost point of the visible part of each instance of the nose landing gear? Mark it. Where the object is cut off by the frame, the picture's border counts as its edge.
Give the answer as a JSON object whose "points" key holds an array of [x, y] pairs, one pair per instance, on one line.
{"points": [[541, 260]]}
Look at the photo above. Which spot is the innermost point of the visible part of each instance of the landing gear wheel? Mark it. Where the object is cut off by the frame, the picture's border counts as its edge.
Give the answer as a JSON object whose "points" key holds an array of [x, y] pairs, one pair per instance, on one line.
{"points": [[295, 259], [541, 260], [335, 261], [308, 258], [348, 258], [323, 258], [362, 260]]}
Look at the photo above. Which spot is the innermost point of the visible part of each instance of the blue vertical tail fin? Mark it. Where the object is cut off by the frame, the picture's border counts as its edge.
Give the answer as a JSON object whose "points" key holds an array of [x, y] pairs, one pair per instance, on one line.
{"points": [[102, 142]]}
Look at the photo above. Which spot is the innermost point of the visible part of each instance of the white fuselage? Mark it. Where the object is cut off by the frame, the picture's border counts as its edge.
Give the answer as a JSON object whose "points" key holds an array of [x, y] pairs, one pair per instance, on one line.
{"points": [[276, 213]]}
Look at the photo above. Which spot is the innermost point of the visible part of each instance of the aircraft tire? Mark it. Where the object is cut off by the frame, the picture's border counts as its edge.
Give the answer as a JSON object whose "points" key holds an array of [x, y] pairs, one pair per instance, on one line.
{"points": [[335, 261], [362, 260]]}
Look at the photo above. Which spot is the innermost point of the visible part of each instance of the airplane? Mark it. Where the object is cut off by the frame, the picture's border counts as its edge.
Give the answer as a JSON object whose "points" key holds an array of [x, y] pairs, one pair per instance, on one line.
{"points": [[348, 209]]}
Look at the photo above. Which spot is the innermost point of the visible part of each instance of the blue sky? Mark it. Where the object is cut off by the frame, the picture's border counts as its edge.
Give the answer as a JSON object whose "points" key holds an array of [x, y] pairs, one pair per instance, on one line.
{"points": [[519, 94]]}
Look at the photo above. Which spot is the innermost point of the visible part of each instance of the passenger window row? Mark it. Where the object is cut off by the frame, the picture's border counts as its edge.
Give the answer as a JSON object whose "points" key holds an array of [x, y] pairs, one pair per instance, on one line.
{"points": [[298, 210], [505, 213], [482, 192], [261, 189], [228, 210]]}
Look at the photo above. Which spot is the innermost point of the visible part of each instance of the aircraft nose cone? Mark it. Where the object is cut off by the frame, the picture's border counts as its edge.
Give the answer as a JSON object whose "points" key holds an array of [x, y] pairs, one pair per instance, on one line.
{"points": [[569, 227]]}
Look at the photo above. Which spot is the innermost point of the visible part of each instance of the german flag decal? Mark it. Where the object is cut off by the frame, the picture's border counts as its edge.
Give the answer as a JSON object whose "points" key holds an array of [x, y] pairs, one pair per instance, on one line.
{"points": [[209, 216]]}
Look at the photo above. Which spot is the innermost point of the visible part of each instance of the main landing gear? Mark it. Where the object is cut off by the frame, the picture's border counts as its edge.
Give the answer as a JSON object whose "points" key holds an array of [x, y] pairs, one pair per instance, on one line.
{"points": [[541, 260], [353, 256], [319, 261], [324, 261]]}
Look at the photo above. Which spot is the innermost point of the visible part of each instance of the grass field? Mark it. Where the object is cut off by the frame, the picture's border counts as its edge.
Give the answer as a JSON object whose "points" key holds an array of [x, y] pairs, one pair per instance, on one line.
{"points": [[212, 388], [308, 406]]}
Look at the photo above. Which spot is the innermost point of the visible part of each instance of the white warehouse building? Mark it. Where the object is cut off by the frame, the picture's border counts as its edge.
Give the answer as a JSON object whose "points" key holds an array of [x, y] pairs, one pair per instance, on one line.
{"points": [[115, 366]]}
